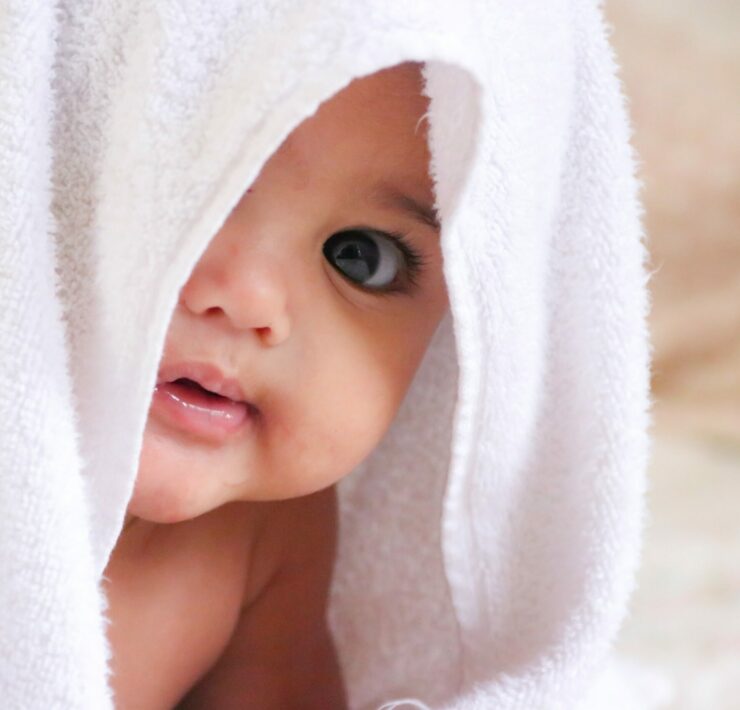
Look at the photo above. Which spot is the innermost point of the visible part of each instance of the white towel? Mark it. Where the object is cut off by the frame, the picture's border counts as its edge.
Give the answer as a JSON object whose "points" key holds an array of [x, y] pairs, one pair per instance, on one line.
{"points": [[488, 545]]}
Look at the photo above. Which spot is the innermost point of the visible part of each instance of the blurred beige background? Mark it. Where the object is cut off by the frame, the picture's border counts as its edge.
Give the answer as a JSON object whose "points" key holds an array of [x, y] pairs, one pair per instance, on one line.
{"points": [[681, 70]]}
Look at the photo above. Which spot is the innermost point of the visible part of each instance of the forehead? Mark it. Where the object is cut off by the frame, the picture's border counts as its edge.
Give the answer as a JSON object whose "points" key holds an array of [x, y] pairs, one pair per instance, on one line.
{"points": [[369, 131]]}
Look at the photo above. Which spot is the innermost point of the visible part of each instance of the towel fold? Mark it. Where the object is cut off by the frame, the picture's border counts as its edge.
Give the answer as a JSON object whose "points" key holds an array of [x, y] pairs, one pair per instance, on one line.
{"points": [[488, 545]]}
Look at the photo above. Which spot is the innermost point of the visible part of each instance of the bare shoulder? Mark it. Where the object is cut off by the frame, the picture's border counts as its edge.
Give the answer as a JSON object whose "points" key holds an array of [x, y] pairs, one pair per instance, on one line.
{"points": [[281, 653], [189, 576]]}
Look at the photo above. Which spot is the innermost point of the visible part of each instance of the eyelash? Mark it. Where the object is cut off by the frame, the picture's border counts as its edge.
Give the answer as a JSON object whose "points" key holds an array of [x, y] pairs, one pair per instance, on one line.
{"points": [[415, 264]]}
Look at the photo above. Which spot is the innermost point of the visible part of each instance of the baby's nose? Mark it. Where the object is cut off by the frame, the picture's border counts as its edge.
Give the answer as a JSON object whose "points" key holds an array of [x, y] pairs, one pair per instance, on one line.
{"points": [[247, 287]]}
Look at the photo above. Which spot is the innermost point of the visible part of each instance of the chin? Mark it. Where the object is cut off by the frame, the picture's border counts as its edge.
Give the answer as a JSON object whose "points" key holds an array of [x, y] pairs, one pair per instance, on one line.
{"points": [[160, 508], [169, 496], [172, 484]]}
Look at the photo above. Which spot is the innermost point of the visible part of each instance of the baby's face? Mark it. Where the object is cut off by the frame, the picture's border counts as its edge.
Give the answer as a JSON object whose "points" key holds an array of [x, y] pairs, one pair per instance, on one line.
{"points": [[308, 304]]}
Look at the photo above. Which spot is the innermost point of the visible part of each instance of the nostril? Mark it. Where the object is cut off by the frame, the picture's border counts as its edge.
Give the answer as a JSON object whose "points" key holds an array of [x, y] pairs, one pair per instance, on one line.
{"points": [[276, 332]]}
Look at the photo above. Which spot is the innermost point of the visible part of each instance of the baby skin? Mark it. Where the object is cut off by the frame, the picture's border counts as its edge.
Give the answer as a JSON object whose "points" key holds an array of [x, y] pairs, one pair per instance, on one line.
{"points": [[292, 346]]}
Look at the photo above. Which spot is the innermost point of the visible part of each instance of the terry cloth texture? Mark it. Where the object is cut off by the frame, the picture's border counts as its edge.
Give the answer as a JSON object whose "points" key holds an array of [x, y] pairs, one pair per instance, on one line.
{"points": [[488, 545]]}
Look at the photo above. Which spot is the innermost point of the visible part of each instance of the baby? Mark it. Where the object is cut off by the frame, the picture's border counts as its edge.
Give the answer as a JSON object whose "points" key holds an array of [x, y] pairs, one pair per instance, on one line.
{"points": [[292, 346]]}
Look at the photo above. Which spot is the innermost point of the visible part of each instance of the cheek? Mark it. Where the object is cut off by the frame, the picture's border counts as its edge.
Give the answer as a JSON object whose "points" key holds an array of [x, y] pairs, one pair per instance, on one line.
{"points": [[338, 417], [354, 374]]}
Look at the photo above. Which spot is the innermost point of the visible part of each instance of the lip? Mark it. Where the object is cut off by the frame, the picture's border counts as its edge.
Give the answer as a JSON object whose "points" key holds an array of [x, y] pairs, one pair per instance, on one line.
{"points": [[188, 409], [206, 375]]}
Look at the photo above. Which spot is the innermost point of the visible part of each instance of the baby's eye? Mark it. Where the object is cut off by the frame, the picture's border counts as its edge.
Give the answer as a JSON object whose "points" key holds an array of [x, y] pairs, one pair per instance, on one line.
{"points": [[372, 259]]}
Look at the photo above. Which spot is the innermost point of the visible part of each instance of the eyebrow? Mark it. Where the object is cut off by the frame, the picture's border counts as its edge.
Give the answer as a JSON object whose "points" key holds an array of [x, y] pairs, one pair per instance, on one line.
{"points": [[390, 196]]}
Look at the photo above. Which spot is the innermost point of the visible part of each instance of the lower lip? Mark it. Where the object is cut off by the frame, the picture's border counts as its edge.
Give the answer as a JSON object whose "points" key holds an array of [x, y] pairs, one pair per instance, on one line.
{"points": [[213, 418]]}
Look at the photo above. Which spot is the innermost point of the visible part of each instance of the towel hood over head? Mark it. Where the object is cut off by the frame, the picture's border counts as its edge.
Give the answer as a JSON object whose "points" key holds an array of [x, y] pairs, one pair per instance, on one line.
{"points": [[488, 544]]}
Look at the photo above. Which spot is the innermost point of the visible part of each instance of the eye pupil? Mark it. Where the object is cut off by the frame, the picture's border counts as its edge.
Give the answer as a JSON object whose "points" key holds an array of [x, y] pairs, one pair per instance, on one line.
{"points": [[356, 254]]}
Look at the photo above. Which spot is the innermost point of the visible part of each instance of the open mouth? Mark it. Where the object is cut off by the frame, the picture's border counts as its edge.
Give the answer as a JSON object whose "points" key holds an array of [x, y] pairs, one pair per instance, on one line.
{"points": [[196, 387], [189, 406]]}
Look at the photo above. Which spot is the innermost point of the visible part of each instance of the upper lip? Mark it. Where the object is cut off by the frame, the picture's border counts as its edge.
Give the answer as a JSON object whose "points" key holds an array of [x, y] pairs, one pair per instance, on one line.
{"points": [[206, 375]]}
